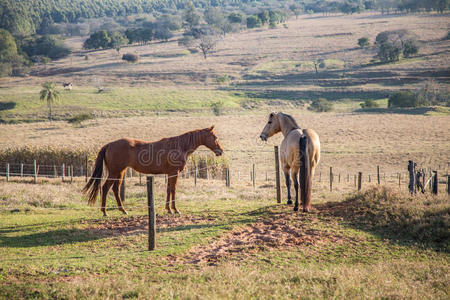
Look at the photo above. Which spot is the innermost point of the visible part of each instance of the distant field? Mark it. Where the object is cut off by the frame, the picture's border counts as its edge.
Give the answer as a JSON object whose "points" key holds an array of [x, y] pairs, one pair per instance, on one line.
{"points": [[269, 66]]}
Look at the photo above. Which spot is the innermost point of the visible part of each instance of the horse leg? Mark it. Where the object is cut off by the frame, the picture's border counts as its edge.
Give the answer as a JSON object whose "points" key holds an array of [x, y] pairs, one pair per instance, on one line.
{"points": [[288, 186], [169, 182], [105, 189], [173, 188], [116, 189], [295, 178]]}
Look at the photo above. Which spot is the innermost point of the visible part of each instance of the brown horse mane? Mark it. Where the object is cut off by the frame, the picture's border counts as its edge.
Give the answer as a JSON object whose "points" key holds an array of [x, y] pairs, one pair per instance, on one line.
{"points": [[184, 141]]}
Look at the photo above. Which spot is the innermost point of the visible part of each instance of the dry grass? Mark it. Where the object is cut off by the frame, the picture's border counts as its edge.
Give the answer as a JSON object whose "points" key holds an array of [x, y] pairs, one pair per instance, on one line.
{"points": [[350, 142]]}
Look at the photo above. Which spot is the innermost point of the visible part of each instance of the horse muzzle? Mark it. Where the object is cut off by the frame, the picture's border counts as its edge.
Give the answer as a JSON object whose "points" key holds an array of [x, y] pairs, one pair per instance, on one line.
{"points": [[263, 137], [218, 152]]}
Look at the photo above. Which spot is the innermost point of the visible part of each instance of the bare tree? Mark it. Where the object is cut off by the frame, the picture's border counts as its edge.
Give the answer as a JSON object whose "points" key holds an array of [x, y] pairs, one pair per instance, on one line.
{"points": [[206, 44]]}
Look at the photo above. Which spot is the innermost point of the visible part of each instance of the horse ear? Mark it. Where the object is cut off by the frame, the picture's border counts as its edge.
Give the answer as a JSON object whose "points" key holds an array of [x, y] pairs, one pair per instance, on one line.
{"points": [[212, 128]]}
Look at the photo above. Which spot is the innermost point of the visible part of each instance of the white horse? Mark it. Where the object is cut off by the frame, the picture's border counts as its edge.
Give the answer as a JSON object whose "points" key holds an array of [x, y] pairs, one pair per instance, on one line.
{"points": [[299, 152]]}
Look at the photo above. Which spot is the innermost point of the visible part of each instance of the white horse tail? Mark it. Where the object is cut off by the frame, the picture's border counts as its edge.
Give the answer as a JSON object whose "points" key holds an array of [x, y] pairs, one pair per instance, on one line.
{"points": [[305, 173]]}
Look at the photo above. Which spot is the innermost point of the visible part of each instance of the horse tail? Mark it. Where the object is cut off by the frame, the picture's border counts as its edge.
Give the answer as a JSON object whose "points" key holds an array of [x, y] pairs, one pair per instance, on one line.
{"points": [[93, 186], [305, 173]]}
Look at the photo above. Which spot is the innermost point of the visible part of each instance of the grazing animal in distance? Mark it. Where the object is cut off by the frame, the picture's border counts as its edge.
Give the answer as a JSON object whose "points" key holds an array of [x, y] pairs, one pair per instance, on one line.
{"points": [[299, 153], [166, 156], [67, 86]]}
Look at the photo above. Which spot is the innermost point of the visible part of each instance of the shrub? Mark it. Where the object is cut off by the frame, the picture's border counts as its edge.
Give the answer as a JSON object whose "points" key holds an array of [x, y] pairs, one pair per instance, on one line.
{"points": [[363, 42], [369, 104], [80, 118], [253, 22], [403, 99], [410, 47], [225, 79], [208, 166], [217, 107], [46, 46], [321, 105], [130, 57], [388, 52], [235, 17]]}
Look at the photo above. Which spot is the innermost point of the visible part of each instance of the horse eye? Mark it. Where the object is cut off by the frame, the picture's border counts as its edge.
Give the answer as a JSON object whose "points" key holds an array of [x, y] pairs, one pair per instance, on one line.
{"points": [[270, 122]]}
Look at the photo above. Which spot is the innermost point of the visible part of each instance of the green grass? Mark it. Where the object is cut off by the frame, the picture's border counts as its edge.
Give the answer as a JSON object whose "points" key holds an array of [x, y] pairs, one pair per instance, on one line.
{"points": [[69, 253], [115, 100]]}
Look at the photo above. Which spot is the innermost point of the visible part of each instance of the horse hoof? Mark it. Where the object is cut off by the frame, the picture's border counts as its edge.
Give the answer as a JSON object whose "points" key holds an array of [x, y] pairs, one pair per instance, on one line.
{"points": [[289, 202], [177, 212], [124, 212], [307, 209], [169, 212], [295, 208]]}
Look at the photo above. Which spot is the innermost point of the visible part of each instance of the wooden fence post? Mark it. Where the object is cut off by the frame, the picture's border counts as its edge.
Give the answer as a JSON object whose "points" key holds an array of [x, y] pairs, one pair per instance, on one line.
{"points": [[331, 179], [354, 177], [254, 176], [35, 171], [71, 173], [140, 178], [435, 183], [339, 180], [412, 177], [195, 176], [370, 180], [55, 172], [359, 180], [87, 169], [423, 179], [151, 214], [448, 184], [62, 171], [320, 176], [21, 170], [399, 179], [277, 174], [378, 174], [122, 189], [227, 177], [7, 172]]}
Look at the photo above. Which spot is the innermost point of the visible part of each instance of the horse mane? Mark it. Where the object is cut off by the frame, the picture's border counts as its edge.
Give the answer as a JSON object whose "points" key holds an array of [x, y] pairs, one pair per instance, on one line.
{"points": [[291, 119], [184, 141]]}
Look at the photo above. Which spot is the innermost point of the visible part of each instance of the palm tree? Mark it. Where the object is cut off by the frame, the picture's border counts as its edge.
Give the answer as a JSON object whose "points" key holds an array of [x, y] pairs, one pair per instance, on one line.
{"points": [[50, 94]]}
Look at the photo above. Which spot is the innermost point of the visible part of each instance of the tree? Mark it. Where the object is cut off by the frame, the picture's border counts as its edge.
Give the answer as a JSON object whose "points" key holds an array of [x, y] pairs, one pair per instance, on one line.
{"points": [[117, 40], [235, 17], [8, 47], [206, 44], [97, 40], [264, 17], [363, 42], [190, 16], [388, 52], [296, 9], [410, 47], [50, 94], [253, 22]]}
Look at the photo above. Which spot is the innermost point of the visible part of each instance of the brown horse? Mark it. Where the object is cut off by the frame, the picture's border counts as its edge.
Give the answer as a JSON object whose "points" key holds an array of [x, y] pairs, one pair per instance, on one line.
{"points": [[299, 152], [167, 156]]}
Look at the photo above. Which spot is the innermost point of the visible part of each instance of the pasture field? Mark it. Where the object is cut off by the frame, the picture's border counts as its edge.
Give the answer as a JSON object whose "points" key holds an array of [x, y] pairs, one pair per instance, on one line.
{"points": [[237, 243]]}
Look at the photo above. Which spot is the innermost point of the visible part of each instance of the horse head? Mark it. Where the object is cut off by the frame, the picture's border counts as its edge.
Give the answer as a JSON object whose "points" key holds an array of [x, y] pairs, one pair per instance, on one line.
{"points": [[272, 127], [211, 141]]}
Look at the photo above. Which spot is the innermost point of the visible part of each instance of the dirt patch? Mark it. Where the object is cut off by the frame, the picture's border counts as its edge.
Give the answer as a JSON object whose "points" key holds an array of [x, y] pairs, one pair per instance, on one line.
{"points": [[282, 230], [139, 224]]}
